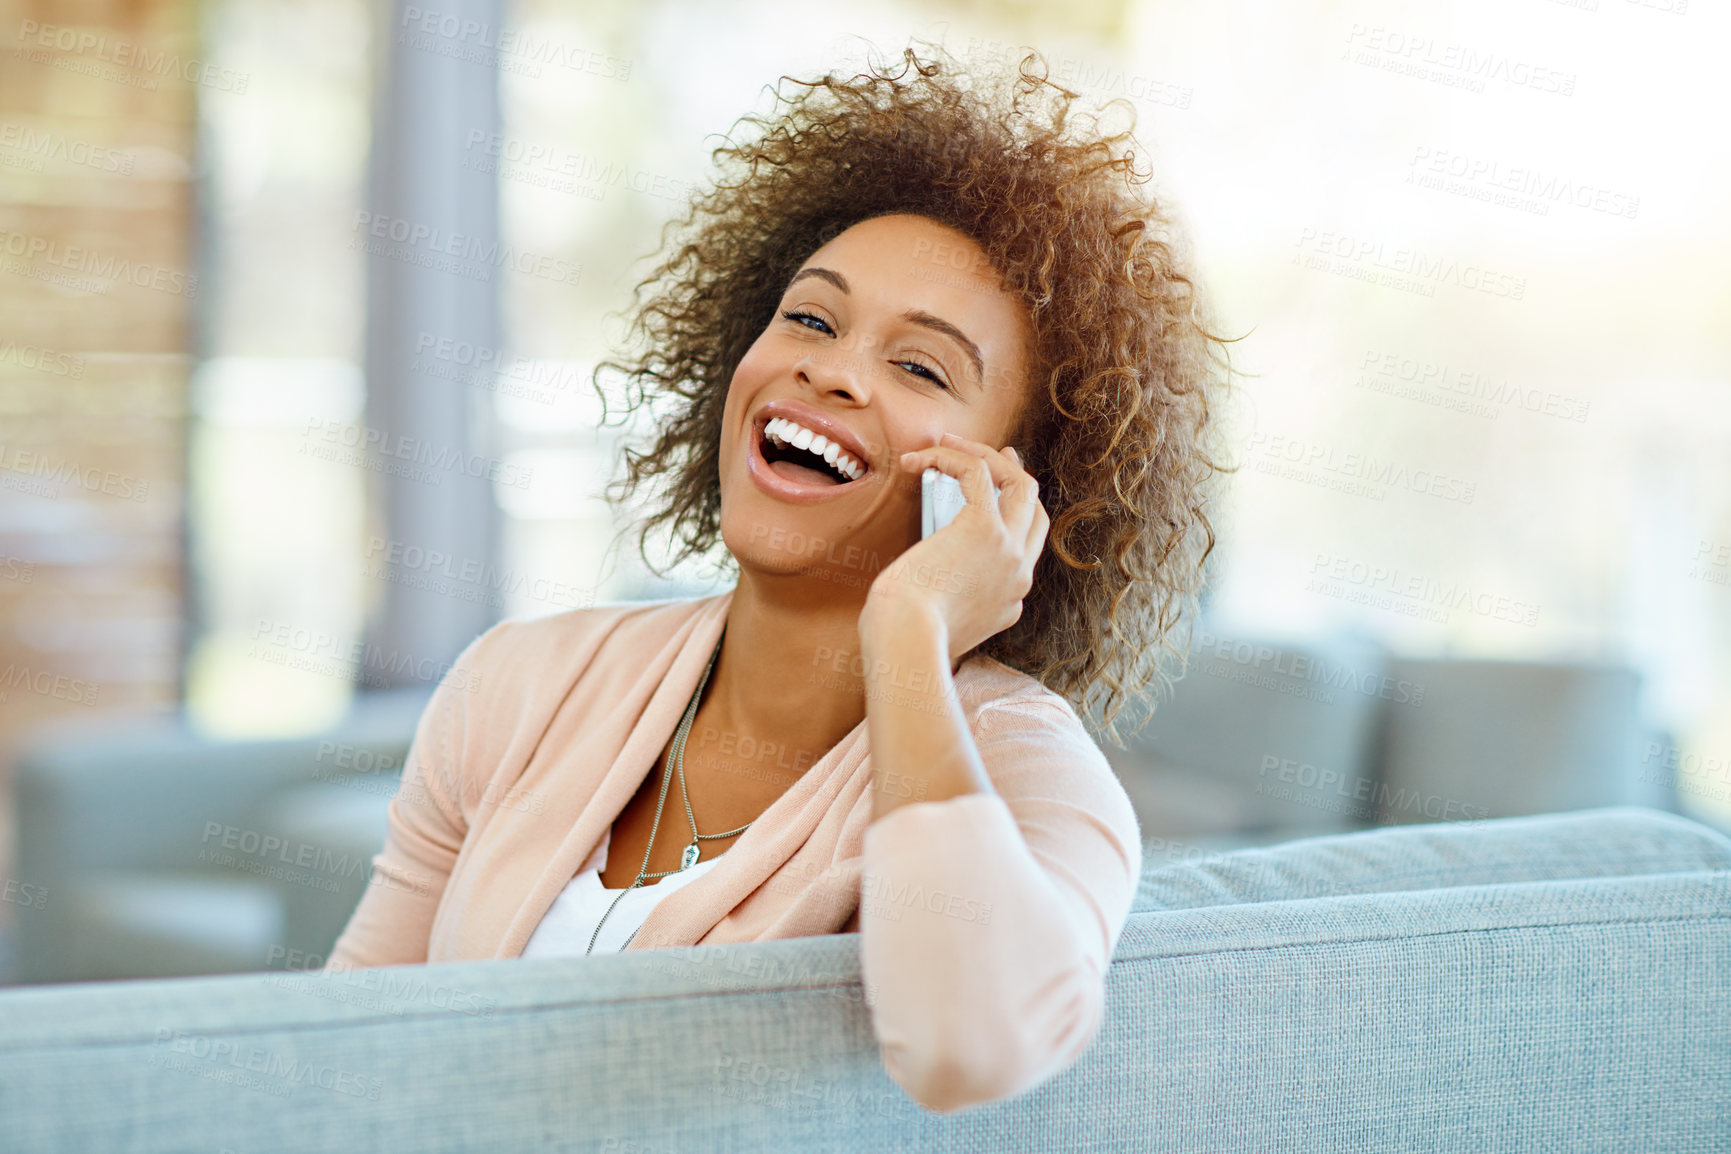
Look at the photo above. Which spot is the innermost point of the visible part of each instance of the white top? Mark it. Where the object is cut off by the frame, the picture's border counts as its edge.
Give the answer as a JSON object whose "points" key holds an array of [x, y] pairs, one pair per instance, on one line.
{"points": [[568, 925]]}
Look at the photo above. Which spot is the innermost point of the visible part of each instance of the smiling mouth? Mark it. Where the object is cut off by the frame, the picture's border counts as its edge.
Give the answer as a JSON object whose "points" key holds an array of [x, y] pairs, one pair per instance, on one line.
{"points": [[795, 453]]}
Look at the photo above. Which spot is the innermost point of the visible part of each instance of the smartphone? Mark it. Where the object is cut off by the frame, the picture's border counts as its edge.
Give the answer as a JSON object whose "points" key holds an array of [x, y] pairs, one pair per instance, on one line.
{"points": [[940, 500]]}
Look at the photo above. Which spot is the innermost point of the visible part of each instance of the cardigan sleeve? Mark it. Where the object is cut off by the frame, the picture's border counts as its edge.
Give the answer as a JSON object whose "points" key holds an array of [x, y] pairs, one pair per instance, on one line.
{"points": [[987, 920], [393, 922]]}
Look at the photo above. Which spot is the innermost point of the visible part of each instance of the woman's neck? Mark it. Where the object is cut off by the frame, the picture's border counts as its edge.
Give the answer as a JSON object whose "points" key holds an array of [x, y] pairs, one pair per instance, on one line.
{"points": [[788, 671]]}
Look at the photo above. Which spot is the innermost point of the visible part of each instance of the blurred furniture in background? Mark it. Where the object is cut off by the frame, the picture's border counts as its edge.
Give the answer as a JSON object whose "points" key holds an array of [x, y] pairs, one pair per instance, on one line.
{"points": [[1263, 741], [1541, 983], [1519, 737], [164, 853], [1210, 764]]}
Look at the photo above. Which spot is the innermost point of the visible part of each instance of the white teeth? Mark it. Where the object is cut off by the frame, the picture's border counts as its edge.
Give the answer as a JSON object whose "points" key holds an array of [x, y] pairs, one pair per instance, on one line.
{"points": [[784, 432]]}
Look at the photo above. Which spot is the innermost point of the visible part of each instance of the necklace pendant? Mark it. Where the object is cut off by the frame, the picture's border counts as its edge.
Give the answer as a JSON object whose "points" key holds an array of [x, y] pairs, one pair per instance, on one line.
{"points": [[689, 858]]}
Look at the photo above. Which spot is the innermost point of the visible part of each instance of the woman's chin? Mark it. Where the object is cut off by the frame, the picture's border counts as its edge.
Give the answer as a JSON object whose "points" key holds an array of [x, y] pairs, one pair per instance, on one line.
{"points": [[822, 576]]}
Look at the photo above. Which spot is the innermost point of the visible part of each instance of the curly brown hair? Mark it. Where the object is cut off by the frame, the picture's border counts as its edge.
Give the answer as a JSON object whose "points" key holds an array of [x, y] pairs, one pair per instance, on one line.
{"points": [[1125, 450]]}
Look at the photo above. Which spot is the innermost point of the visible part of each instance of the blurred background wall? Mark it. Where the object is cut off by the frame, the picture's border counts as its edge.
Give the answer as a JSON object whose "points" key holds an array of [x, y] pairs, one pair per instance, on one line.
{"points": [[299, 302], [99, 309]]}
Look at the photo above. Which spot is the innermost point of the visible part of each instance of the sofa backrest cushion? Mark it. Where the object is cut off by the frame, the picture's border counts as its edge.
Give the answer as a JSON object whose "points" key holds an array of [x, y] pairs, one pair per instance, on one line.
{"points": [[1616, 841]]}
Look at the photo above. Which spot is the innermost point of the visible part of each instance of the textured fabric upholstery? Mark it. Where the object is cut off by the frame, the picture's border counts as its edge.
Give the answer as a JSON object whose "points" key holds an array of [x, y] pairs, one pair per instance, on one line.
{"points": [[1519, 1013], [1591, 843]]}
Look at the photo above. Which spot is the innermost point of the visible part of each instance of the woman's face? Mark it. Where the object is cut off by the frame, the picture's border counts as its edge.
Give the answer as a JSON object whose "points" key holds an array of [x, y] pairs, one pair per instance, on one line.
{"points": [[889, 336]]}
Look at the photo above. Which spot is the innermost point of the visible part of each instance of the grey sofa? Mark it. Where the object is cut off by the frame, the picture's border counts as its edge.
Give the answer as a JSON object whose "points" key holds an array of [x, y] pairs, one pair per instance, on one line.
{"points": [[1264, 740], [159, 852], [152, 841], [1550, 983]]}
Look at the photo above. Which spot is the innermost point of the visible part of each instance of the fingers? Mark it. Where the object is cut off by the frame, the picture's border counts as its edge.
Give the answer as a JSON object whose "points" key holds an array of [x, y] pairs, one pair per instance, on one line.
{"points": [[972, 463], [970, 470], [1020, 500], [1021, 492], [1038, 526], [1003, 469]]}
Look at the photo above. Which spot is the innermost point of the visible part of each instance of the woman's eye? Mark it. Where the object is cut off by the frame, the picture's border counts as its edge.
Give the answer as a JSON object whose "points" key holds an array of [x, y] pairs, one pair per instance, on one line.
{"points": [[800, 318], [818, 324], [921, 370]]}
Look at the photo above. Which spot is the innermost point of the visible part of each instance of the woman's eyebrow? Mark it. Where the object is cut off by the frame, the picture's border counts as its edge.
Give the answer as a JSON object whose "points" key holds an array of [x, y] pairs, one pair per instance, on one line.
{"points": [[939, 324], [834, 278], [917, 316]]}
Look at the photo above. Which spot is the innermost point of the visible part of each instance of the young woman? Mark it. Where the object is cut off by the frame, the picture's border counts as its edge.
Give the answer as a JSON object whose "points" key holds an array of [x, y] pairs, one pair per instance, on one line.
{"points": [[871, 731]]}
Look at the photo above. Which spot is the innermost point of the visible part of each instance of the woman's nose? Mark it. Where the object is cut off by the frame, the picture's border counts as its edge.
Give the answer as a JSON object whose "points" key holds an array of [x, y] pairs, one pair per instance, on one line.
{"points": [[841, 372]]}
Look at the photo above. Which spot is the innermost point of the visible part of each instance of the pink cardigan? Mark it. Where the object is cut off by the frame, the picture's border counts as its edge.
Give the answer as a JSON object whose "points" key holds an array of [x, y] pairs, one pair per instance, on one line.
{"points": [[987, 920]]}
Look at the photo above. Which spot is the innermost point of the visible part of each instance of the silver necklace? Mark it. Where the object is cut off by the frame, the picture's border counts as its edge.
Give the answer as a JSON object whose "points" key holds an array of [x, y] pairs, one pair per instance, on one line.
{"points": [[675, 764]]}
